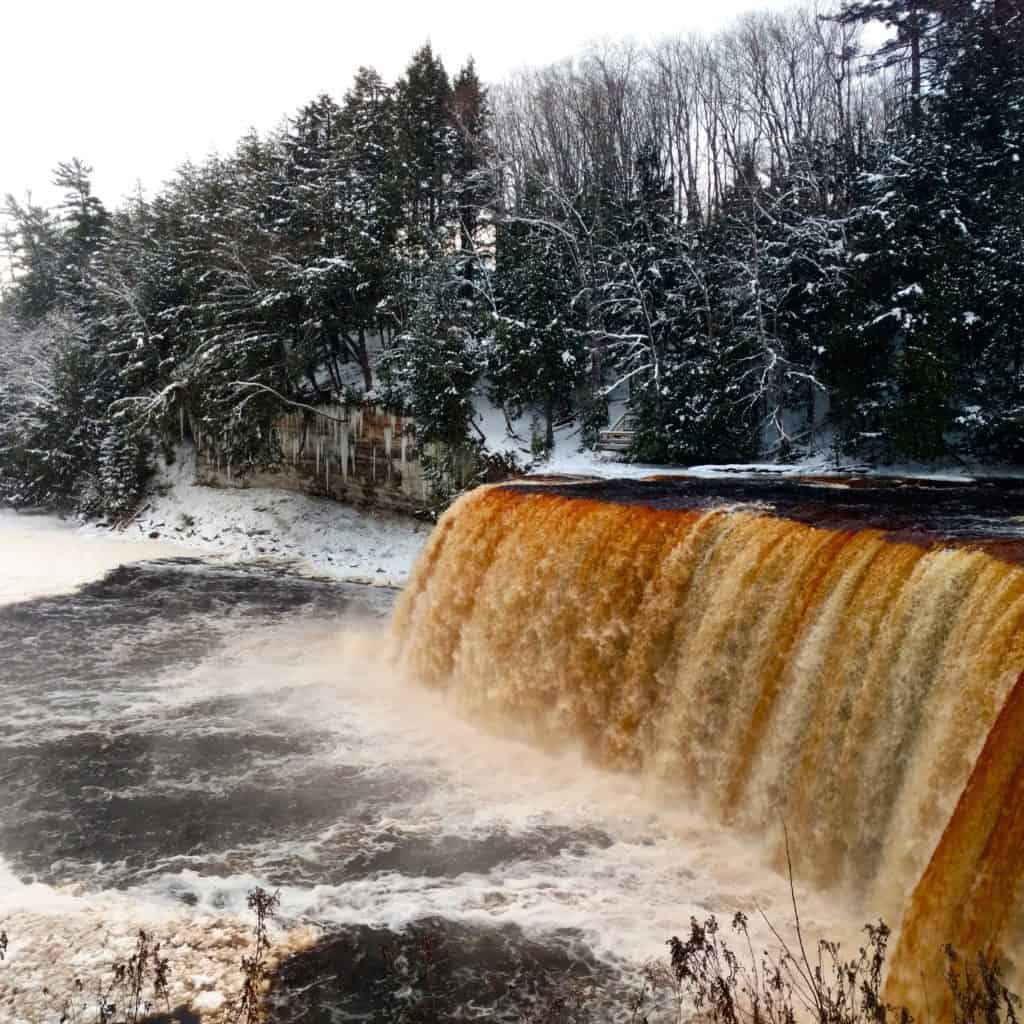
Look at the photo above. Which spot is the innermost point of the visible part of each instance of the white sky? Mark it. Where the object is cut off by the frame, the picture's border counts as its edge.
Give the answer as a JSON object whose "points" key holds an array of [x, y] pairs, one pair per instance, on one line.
{"points": [[134, 87]]}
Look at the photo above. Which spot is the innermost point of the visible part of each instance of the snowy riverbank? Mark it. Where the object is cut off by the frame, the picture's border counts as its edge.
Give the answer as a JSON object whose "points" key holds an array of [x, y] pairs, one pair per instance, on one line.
{"points": [[319, 535]]}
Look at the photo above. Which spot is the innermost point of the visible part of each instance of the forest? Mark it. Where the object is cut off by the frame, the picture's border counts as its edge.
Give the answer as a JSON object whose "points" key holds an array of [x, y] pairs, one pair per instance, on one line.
{"points": [[772, 241]]}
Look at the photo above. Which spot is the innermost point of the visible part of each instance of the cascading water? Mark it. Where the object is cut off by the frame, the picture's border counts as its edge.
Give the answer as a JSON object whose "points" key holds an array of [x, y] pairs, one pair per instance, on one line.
{"points": [[744, 653], [862, 686]]}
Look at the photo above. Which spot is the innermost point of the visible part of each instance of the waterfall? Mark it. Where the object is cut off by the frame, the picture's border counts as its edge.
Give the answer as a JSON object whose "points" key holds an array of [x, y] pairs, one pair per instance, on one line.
{"points": [[864, 688]]}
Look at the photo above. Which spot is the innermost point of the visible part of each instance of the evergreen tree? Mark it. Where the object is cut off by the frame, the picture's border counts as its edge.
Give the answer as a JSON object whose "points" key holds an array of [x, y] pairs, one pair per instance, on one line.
{"points": [[666, 338], [370, 204], [34, 251], [930, 360], [536, 355], [85, 222], [434, 369], [889, 367], [314, 269], [916, 26], [981, 59], [473, 189], [427, 144]]}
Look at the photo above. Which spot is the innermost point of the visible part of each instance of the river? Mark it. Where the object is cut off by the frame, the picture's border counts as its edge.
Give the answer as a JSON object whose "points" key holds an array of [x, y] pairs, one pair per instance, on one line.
{"points": [[175, 731]]}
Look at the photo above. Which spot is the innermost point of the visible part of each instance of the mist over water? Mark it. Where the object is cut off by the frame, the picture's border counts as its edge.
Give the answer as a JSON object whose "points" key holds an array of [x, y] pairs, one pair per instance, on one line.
{"points": [[175, 732]]}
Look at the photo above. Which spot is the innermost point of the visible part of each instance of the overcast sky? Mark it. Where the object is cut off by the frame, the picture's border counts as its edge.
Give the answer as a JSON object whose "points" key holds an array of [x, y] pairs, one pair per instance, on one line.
{"points": [[133, 87]]}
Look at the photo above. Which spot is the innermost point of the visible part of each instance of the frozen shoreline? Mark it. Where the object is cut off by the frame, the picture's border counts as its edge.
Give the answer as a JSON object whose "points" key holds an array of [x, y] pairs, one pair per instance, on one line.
{"points": [[316, 534]]}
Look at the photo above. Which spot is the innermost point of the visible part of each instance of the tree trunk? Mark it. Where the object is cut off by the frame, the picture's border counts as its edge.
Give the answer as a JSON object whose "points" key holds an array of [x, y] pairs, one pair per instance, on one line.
{"points": [[915, 67], [364, 361]]}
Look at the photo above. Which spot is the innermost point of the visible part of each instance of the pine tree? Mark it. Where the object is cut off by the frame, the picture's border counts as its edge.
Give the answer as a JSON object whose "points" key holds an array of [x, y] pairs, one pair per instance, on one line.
{"points": [[916, 25], [370, 205], [890, 368], [427, 144], [667, 338], [85, 222], [434, 369], [34, 250], [473, 188], [981, 105], [930, 360], [536, 354]]}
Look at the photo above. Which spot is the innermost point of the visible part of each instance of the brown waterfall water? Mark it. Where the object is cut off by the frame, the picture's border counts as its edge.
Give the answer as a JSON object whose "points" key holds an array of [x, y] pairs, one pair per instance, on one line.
{"points": [[854, 672]]}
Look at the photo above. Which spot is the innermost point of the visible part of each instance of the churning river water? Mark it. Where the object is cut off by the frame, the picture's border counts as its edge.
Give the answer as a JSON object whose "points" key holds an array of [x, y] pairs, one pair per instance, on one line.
{"points": [[175, 731]]}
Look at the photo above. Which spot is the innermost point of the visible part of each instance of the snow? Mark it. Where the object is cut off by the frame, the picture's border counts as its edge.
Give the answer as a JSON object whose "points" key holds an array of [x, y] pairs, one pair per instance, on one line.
{"points": [[608, 466], [60, 933], [316, 534], [568, 460], [208, 1001], [490, 421]]}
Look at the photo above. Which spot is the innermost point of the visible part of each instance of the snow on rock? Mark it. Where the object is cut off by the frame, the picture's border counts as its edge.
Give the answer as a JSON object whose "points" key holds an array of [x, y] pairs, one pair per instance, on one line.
{"points": [[206, 1002], [319, 534]]}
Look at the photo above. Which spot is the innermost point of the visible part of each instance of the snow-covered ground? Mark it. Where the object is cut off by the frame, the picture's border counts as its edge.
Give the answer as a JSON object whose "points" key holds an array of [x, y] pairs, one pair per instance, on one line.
{"points": [[565, 461], [568, 460], [316, 534]]}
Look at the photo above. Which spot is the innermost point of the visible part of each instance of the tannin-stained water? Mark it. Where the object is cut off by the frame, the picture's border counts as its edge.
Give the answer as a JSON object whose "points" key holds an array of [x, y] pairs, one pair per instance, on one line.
{"points": [[175, 732], [845, 662]]}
